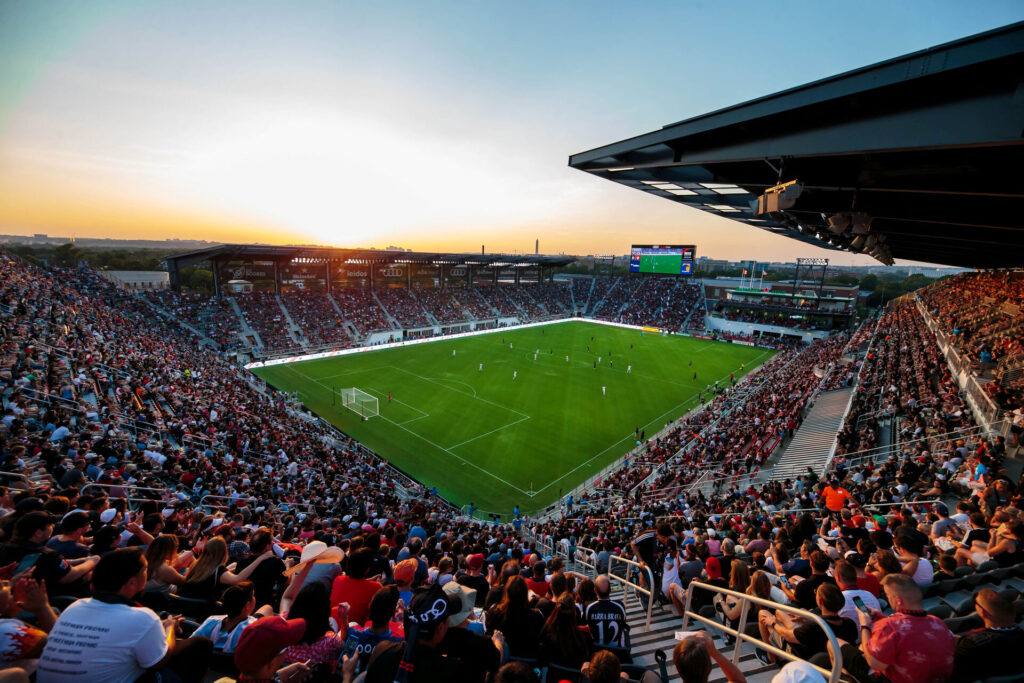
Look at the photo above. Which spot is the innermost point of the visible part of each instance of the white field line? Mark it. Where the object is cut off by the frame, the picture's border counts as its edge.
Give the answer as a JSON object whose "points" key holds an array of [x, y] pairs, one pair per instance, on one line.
{"points": [[427, 379], [426, 440], [510, 424], [385, 397], [654, 420]]}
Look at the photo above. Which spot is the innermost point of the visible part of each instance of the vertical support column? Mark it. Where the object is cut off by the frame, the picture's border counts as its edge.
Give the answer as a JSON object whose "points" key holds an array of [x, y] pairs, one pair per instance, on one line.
{"points": [[277, 277], [327, 275], [518, 271], [408, 276]]}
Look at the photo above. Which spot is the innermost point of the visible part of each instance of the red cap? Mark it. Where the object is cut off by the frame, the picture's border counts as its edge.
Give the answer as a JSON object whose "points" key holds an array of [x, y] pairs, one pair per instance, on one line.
{"points": [[713, 567], [264, 639], [475, 562]]}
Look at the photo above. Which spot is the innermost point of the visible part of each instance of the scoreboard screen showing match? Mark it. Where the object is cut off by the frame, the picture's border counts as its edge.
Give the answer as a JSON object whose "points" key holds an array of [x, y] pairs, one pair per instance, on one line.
{"points": [[662, 259]]}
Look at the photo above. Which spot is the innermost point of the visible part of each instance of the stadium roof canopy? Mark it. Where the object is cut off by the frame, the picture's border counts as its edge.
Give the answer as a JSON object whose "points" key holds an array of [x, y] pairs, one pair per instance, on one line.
{"points": [[257, 252], [925, 150]]}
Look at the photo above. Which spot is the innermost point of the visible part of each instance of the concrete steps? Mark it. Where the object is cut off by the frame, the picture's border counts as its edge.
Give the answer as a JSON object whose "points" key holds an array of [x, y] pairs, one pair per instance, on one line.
{"points": [[814, 439], [661, 636]]}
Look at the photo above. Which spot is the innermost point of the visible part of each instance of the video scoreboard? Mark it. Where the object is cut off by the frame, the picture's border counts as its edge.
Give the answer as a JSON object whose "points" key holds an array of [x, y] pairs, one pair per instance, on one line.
{"points": [[662, 259]]}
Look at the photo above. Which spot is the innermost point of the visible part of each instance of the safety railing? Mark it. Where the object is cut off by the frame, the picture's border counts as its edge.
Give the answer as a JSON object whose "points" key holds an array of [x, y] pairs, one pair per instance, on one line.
{"points": [[627, 584], [164, 493], [872, 506], [216, 506], [739, 633], [587, 557], [16, 476]]}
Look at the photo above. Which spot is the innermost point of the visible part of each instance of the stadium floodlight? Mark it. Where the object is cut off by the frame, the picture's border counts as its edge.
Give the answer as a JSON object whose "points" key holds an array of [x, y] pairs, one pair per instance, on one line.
{"points": [[360, 402], [838, 223], [779, 197]]}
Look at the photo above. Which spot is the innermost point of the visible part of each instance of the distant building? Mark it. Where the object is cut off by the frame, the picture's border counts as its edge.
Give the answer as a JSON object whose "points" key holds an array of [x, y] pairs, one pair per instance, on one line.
{"points": [[138, 279]]}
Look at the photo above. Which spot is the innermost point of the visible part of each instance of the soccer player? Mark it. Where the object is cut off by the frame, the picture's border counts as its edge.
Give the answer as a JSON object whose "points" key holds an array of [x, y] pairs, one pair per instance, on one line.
{"points": [[629, 369], [567, 359], [510, 346], [453, 353], [599, 359], [389, 397], [515, 373], [481, 367], [602, 390]]}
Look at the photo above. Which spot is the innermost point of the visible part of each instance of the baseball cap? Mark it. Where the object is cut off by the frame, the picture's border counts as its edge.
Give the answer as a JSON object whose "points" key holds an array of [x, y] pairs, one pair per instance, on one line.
{"points": [[475, 562], [263, 639], [108, 515], [405, 571], [430, 606], [714, 568]]}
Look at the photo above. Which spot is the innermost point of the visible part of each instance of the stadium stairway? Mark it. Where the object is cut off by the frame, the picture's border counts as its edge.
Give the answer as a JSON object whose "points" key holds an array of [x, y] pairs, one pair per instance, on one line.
{"points": [[392, 321], [482, 299], [538, 304], [515, 304], [812, 444], [346, 326], [661, 636], [599, 304], [590, 294], [294, 331], [247, 331]]}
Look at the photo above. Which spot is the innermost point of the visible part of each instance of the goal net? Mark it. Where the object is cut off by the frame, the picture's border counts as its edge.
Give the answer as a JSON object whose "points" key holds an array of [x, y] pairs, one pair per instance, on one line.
{"points": [[359, 402]]}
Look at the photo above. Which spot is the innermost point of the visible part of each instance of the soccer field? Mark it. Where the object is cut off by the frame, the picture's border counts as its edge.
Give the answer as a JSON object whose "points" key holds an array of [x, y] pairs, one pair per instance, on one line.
{"points": [[517, 416]]}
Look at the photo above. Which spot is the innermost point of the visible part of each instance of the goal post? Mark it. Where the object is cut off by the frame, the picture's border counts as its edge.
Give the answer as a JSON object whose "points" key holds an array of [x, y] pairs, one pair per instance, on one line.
{"points": [[360, 402]]}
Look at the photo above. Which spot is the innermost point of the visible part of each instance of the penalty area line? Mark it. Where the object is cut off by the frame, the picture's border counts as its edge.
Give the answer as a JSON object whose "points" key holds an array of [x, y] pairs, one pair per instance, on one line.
{"points": [[426, 440]]}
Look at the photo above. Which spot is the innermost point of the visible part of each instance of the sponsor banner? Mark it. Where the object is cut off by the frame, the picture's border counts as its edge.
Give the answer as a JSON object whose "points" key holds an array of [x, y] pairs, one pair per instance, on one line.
{"points": [[430, 340], [351, 272], [393, 273], [425, 271], [651, 329], [245, 271]]}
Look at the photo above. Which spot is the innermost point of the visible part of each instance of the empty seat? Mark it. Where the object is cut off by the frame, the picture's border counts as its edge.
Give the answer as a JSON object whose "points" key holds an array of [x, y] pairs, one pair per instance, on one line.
{"points": [[961, 602], [964, 624]]}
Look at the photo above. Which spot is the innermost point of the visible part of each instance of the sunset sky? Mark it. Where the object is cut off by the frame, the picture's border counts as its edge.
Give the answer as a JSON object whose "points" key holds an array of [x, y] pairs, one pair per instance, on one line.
{"points": [[429, 125]]}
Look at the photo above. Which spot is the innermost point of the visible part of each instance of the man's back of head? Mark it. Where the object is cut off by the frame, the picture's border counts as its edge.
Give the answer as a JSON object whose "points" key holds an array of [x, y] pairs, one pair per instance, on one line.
{"points": [[116, 569], [603, 587]]}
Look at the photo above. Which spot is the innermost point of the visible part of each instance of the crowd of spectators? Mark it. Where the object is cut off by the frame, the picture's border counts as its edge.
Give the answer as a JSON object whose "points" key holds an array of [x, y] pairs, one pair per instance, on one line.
{"points": [[211, 315], [495, 297], [361, 309], [317, 317], [441, 303], [264, 315], [554, 296], [403, 306], [145, 475], [982, 313], [524, 301]]}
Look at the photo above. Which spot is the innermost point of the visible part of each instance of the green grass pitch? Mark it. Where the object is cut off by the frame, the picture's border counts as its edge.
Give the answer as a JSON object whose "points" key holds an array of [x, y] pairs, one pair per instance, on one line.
{"points": [[521, 430]]}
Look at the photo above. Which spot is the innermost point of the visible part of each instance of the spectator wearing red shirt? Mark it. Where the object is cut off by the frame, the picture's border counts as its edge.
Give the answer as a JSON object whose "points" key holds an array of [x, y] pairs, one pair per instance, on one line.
{"points": [[354, 588], [911, 646], [538, 584]]}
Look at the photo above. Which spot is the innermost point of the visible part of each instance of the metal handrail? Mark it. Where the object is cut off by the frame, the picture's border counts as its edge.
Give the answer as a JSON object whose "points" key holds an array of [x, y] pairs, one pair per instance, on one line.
{"points": [[740, 631], [626, 583], [866, 505], [126, 487]]}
